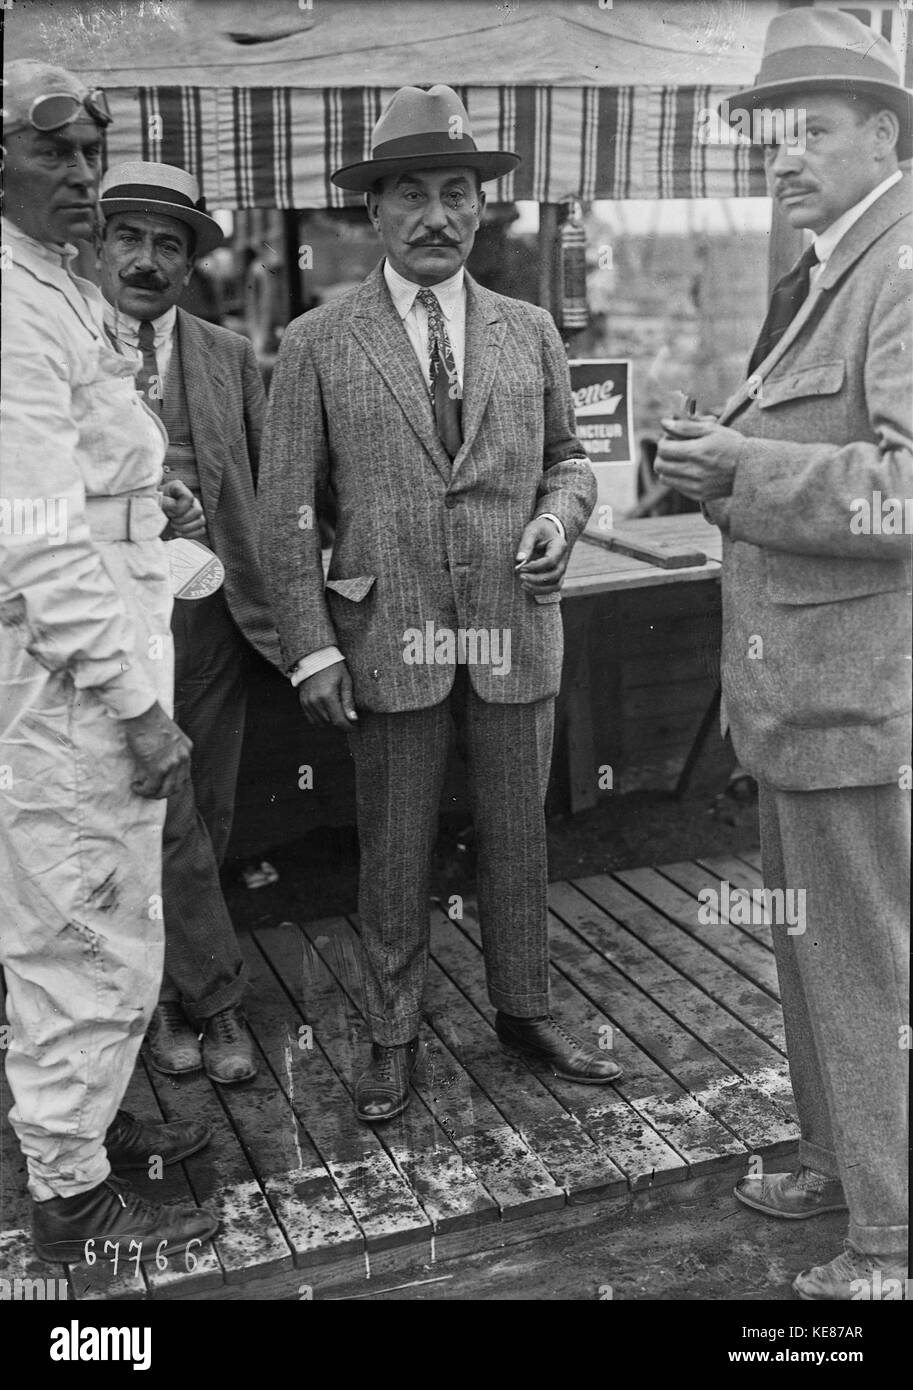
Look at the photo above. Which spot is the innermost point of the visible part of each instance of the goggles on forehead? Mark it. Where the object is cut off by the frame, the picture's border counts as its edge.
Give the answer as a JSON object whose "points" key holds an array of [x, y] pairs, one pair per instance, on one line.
{"points": [[59, 108]]}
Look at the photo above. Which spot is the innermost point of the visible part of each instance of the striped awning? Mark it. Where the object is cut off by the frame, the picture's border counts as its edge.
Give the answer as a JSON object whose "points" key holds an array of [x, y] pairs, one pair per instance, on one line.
{"points": [[262, 147]]}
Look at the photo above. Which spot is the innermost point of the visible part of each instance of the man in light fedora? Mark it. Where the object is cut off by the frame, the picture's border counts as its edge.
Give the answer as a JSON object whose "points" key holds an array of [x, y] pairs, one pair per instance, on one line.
{"points": [[805, 473], [440, 415], [204, 384]]}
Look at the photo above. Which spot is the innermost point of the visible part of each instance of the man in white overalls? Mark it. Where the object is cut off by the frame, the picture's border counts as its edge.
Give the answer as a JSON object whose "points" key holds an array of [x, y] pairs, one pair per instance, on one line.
{"points": [[88, 751]]}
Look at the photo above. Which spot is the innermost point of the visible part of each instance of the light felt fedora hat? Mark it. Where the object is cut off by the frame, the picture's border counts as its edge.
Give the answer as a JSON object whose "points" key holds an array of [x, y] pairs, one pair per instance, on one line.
{"points": [[808, 49], [141, 186], [423, 130]]}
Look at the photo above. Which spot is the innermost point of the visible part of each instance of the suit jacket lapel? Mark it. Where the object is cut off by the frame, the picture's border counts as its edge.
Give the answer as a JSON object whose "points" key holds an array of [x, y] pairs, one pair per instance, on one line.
{"points": [[204, 385], [485, 329], [883, 213], [379, 329]]}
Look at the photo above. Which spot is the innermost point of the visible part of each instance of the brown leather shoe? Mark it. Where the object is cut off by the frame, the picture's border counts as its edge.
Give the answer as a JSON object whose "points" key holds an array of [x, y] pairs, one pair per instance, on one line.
{"points": [[62, 1226], [172, 1045], [382, 1091], [546, 1041], [853, 1275], [229, 1054], [132, 1143], [792, 1196]]}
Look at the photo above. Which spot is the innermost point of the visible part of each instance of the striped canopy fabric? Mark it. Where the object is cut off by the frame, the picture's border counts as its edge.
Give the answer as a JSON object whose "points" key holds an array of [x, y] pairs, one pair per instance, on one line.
{"points": [[275, 147]]}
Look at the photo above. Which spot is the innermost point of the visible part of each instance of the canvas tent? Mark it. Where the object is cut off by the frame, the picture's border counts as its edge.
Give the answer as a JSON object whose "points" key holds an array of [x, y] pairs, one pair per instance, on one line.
{"points": [[262, 101]]}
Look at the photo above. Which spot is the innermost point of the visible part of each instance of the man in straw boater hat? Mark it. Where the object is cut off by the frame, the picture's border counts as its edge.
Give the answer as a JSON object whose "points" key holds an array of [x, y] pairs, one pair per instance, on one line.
{"points": [[88, 751], [204, 383], [440, 416], [805, 473]]}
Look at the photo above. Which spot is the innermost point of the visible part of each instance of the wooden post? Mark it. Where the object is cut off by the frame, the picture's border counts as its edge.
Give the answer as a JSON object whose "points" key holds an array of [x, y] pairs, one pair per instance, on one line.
{"points": [[290, 227], [548, 232]]}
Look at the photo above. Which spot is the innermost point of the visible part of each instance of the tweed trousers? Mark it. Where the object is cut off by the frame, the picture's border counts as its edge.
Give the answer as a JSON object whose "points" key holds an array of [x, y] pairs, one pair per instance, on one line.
{"points": [[844, 985], [400, 763]]}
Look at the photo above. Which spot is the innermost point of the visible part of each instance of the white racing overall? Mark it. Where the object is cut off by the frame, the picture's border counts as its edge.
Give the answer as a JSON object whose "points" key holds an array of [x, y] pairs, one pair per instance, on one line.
{"points": [[84, 642]]}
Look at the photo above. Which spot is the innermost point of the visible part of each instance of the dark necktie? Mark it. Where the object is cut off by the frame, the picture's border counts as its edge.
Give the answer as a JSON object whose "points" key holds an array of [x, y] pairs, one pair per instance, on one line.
{"points": [[788, 294], [445, 384], [148, 380]]}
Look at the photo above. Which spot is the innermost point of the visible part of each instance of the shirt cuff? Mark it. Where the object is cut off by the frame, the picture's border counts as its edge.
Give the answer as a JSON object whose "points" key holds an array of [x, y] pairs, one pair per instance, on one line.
{"points": [[550, 516], [317, 661]]}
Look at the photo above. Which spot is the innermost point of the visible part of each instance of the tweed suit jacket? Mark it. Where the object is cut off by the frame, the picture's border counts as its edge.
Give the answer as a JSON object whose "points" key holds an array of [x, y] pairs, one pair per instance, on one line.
{"points": [[824, 699], [419, 541], [226, 404]]}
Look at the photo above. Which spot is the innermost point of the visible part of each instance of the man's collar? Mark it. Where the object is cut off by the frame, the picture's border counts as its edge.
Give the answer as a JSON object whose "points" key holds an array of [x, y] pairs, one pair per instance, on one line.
{"points": [[403, 291], [56, 253], [125, 325], [827, 241]]}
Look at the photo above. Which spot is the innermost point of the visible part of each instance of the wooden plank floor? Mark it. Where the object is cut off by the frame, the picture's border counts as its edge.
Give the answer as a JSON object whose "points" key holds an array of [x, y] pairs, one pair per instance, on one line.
{"points": [[491, 1151]]}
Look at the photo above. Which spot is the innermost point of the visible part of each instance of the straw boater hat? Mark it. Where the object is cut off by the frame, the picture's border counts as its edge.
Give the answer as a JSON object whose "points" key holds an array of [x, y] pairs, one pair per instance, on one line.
{"points": [[423, 130], [809, 50], [140, 186]]}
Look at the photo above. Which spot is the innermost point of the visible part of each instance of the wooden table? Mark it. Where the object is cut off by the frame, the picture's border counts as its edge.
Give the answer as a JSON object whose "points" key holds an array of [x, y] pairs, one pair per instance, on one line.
{"points": [[641, 662]]}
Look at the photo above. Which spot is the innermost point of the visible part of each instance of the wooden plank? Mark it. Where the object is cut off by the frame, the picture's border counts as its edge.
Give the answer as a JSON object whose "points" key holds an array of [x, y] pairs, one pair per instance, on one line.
{"points": [[687, 954], [736, 870], [312, 1213], [720, 1046], [665, 554], [376, 1193], [748, 944], [494, 1155], [249, 1242], [561, 1142], [620, 1119]]}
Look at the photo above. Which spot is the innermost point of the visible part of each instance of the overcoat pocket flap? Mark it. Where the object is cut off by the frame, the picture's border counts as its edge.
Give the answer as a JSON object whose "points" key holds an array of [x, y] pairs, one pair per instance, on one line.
{"points": [[354, 589], [809, 579], [822, 379]]}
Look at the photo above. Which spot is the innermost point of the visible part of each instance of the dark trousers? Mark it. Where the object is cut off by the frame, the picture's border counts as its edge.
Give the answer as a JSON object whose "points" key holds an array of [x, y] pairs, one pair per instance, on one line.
{"points": [[400, 763], [203, 965]]}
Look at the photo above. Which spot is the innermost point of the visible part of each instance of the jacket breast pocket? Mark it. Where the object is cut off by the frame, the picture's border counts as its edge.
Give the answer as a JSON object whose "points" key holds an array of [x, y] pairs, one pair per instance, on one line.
{"points": [[820, 379], [353, 589]]}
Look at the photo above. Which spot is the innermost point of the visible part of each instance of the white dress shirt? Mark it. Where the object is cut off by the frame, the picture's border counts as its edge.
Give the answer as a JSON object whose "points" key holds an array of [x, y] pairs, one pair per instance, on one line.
{"points": [[451, 295], [826, 242], [125, 329]]}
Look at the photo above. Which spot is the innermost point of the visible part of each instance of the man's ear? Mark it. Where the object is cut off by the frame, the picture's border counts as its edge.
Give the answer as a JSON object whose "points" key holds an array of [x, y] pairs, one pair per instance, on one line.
{"points": [[481, 203], [887, 131], [371, 201]]}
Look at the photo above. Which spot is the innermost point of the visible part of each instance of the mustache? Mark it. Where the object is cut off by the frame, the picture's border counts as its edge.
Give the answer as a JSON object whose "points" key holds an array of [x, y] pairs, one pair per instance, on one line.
{"points": [[143, 282], [434, 241]]}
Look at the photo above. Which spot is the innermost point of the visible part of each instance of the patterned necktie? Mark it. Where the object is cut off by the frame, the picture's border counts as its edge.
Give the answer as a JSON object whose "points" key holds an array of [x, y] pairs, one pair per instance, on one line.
{"points": [[444, 383], [788, 294], [148, 380]]}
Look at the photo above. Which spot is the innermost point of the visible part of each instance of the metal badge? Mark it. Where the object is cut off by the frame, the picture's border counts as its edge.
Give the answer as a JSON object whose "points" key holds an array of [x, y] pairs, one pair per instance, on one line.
{"points": [[195, 571]]}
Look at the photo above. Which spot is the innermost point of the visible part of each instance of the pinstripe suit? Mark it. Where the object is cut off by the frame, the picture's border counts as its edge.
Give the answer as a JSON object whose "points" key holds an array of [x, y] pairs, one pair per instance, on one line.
{"points": [[420, 542]]}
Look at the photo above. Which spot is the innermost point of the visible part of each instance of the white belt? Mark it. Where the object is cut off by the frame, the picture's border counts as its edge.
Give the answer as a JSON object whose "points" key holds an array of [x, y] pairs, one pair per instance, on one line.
{"points": [[136, 518]]}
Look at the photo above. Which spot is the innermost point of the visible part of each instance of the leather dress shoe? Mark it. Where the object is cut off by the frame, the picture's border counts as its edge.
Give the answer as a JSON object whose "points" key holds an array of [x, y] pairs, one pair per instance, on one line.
{"points": [[112, 1211], [131, 1143], [792, 1196], [854, 1275], [544, 1040], [229, 1054], [171, 1043], [382, 1091]]}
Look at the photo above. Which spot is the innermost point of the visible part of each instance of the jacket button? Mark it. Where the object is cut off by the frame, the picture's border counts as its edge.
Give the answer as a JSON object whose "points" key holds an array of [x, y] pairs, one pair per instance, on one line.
{"points": [[451, 502]]}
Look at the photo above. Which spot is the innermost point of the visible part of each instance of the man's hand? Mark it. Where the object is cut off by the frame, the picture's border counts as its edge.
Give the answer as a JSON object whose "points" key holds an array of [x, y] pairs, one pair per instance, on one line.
{"points": [[326, 697], [702, 465], [160, 750], [542, 557], [184, 513]]}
